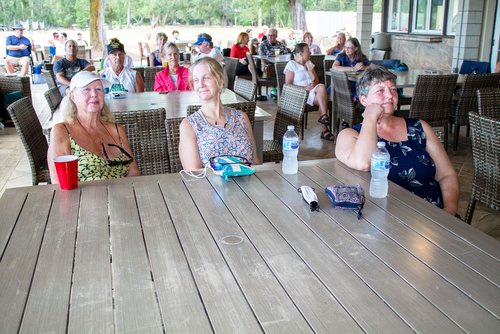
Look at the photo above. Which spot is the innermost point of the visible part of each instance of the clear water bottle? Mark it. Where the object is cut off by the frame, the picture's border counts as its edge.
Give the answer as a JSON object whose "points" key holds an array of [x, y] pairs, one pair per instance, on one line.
{"points": [[380, 164], [290, 151]]}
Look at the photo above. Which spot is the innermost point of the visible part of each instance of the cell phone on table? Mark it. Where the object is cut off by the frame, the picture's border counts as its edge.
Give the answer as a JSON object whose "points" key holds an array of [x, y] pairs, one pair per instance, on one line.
{"points": [[164, 92]]}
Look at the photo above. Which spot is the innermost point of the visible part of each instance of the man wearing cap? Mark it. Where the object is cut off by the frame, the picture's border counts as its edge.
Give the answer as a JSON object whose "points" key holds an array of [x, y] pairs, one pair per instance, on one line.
{"points": [[121, 77], [205, 48], [18, 51], [67, 67]]}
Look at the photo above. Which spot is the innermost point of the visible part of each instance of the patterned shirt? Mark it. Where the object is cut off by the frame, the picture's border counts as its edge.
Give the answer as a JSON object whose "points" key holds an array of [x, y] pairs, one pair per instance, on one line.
{"points": [[213, 140], [267, 49]]}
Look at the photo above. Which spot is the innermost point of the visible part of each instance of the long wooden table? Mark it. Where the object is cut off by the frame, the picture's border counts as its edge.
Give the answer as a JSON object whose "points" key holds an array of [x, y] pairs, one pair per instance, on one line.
{"points": [[157, 254]]}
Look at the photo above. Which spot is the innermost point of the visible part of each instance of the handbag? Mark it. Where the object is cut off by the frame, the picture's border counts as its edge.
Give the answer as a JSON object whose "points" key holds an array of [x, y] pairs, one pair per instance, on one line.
{"points": [[347, 197]]}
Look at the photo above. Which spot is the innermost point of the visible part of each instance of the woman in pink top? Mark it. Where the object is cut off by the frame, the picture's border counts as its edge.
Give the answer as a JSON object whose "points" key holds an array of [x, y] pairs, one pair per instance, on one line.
{"points": [[239, 50], [174, 76]]}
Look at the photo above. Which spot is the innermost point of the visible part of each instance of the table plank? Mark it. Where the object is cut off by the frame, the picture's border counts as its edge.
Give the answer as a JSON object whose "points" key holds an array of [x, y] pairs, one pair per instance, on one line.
{"points": [[314, 301], [367, 309], [19, 259], [438, 291], [92, 297], [49, 298], [262, 290], [136, 308], [10, 209], [224, 302], [180, 304]]}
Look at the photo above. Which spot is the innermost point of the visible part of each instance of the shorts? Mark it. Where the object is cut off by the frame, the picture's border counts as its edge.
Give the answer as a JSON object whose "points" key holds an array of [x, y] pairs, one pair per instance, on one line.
{"points": [[17, 60]]}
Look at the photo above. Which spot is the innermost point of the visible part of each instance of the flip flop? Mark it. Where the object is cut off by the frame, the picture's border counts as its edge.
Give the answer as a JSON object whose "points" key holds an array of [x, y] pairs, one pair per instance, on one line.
{"points": [[324, 119], [327, 135]]}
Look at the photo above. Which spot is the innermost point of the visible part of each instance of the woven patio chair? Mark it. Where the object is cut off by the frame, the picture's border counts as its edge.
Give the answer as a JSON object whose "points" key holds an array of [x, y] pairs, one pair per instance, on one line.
{"points": [[245, 88], [291, 107], [432, 100], [173, 133], [247, 107], [347, 112], [230, 65], [467, 100], [486, 158], [488, 102], [54, 98], [148, 138], [257, 79], [30, 130], [15, 84], [319, 66], [50, 79], [327, 66], [140, 70], [149, 77]]}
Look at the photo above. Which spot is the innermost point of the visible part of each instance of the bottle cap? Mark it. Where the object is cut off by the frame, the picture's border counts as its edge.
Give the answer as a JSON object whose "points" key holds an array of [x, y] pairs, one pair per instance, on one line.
{"points": [[381, 144], [292, 127]]}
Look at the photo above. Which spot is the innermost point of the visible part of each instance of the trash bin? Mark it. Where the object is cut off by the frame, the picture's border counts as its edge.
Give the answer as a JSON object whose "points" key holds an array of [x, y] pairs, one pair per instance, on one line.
{"points": [[381, 46]]}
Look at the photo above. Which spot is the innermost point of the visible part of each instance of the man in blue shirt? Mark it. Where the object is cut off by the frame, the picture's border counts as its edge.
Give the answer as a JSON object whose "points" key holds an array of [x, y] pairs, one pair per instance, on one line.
{"points": [[18, 51]]}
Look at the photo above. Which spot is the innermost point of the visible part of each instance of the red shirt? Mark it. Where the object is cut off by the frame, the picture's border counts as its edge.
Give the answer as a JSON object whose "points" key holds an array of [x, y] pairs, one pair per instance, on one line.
{"points": [[239, 52], [163, 81]]}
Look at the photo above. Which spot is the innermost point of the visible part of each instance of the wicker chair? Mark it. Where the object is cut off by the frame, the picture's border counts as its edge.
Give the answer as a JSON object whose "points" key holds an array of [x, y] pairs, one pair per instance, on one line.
{"points": [[230, 65], [290, 112], [246, 107], [53, 97], [173, 133], [148, 139], [29, 129], [149, 77], [257, 79], [50, 79], [140, 70], [433, 100], [486, 157], [488, 102], [467, 101], [318, 61], [245, 88], [327, 66], [15, 84], [347, 112]]}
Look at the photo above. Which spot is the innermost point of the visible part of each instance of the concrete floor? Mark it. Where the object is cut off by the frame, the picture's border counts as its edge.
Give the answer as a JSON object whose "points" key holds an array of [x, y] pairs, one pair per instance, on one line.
{"points": [[15, 170]]}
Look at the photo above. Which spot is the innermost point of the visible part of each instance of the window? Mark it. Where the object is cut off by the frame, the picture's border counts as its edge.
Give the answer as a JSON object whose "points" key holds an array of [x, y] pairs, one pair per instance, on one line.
{"points": [[422, 16]]}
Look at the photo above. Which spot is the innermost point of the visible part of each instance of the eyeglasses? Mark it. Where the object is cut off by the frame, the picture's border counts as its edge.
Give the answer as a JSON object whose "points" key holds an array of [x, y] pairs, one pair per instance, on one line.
{"points": [[218, 165], [113, 163]]}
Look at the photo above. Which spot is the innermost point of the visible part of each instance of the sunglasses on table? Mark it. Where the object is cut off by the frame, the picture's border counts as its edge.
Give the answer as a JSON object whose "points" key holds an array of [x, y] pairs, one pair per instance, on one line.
{"points": [[113, 163], [230, 160]]}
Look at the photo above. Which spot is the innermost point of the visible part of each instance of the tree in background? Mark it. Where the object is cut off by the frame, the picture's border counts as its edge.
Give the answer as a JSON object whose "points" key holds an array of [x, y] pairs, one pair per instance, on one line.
{"points": [[97, 32]]}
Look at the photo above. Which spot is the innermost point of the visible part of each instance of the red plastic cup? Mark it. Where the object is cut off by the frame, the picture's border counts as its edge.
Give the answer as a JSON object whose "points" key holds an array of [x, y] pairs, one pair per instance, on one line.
{"points": [[67, 171]]}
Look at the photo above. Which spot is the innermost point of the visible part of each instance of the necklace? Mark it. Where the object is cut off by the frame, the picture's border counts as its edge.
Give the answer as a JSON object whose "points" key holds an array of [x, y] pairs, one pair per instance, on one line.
{"points": [[200, 111]]}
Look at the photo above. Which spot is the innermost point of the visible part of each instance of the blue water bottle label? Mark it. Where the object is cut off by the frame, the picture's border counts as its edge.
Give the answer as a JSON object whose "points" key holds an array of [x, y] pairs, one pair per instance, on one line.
{"points": [[381, 164]]}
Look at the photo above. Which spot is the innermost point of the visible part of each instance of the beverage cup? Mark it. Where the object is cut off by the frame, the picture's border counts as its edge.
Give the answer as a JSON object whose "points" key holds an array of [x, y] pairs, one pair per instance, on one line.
{"points": [[276, 53], [164, 63], [67, 171]]}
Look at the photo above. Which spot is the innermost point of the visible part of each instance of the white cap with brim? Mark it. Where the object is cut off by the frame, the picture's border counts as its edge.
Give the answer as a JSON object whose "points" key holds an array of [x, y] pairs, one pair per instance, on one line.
{"points": [[83, 78]]}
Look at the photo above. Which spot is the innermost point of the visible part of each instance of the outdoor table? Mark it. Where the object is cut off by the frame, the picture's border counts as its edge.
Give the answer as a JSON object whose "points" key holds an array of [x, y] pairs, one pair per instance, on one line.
{"points": [[157, 254], [274, 60]]}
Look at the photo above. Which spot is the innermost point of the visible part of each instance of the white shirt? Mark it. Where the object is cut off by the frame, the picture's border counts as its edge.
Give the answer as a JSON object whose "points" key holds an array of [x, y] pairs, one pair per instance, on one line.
{"points": [[214, 53], [126, 78]]}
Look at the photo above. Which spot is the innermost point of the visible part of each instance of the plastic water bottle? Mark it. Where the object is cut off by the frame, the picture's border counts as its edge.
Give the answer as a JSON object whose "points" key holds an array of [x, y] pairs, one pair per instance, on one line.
{"points": [[290, 151], [381, 161]]}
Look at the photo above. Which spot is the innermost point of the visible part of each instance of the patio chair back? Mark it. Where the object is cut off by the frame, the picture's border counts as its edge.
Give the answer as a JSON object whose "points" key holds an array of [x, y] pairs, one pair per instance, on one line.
{"points": [[230, 65], [432, 100], [488, 102], [148, 138], [245, 88], [173, 134], [280, 76], [149, 77], [15, 84], [467, 100], [327, 66], [259, 80], [54, 98], [347, 113], [318, 61], [486, 157], [50, 79], [30, 131]]}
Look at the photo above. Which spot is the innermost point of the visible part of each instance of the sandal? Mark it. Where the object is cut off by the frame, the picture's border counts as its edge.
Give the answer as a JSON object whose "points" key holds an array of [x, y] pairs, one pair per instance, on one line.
{"points": [[327, 135], [324, 119]]}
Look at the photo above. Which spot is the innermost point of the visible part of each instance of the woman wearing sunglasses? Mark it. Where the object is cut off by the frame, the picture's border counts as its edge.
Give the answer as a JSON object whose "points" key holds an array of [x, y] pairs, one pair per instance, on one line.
{"points": [[214, 130], [89, 132]]}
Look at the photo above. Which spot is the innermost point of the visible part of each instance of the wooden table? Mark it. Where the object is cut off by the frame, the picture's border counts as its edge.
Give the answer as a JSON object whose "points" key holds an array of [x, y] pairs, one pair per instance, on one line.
{"points": [[153, 254]]}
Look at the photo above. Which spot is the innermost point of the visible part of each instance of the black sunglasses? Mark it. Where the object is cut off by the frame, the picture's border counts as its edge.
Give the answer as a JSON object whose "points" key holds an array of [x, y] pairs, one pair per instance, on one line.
{"points": [[114, 162], [235, 160]]}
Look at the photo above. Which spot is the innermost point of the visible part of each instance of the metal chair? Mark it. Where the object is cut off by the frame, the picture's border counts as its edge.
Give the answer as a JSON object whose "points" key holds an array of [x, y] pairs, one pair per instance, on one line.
{"points": [[30, 130], [257, 79], [347, 113], [467, 100], [291, 107], [433, 100], [245, 88], [246, 107], [15, 84], [173, 134], [230, 65], [486, 156], [149, 77], [488, 102], [148, 138], [54, 98], [50, 79]]}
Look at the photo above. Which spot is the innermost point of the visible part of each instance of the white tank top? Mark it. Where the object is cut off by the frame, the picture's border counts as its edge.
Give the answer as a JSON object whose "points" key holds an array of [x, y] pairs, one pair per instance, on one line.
{"points": [[126, 78]]}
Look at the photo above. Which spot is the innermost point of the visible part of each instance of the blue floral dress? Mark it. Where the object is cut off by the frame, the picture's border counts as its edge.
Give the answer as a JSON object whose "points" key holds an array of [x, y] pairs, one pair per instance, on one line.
{"points": [[411, 166]]}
